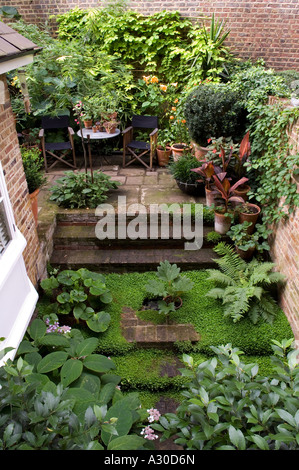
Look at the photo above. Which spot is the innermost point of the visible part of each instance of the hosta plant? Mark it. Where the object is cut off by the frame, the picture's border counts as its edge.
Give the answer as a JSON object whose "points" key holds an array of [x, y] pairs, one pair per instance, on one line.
{"points": [[244, 287], [82, 294], [170, 285], [229, 405], [65, 399]]}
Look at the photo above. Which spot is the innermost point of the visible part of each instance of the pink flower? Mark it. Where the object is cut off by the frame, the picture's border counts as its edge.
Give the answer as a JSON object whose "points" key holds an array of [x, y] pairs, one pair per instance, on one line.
{"points": [[154, 415], [149, 434]]}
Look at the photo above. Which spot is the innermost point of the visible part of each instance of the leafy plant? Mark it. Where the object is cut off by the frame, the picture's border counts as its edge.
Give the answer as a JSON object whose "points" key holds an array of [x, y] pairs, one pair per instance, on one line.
{"points": [[214, 110], [181, 169], [229, 405], [82, 294], [33, 164], [76, 190], [67, 399], [170, 285], [227, 191], [243, 240], [244, 287]]}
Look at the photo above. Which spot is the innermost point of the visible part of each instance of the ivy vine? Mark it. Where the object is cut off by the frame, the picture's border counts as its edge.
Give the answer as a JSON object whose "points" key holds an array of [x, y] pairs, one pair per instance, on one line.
{"points": [[273, 161]]}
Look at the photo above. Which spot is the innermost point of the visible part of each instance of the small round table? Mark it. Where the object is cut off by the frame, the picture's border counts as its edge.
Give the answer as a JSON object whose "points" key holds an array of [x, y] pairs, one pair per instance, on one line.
{"points": [[89, 135]]}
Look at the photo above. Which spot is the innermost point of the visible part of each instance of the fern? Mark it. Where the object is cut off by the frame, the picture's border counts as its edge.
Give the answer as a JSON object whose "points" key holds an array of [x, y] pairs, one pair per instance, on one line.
{"points": [[242, 286]]}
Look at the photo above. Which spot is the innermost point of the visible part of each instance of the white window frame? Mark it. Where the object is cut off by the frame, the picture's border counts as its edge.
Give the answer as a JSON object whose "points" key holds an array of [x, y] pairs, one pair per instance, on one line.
{"points": [[21, 302]]}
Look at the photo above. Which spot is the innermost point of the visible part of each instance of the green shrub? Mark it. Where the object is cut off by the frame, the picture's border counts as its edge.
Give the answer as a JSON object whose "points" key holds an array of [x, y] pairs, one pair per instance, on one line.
{"points": [[65, 399], [181, 169], [75, 190], [33, 164], [214, 110], [228, 405]]}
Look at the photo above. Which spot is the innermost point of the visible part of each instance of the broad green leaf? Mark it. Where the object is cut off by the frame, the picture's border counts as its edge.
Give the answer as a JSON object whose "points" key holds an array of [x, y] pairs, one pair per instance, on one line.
{"points": [[87, 346], [99, 322], [52, 361], [70, 371], [98, 363], [237, 438], [37, 329], [126, 443]]}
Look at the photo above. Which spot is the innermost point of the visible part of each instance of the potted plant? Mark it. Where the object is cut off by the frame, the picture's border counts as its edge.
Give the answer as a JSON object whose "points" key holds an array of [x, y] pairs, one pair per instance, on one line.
{"points": [[206, 172], [222, 216], [164, 147], [186, 179], [33, 163], [181, 138], [169, 287], [110, 126], [248, 212], [247, 243], [214, 109], [241, 158]]}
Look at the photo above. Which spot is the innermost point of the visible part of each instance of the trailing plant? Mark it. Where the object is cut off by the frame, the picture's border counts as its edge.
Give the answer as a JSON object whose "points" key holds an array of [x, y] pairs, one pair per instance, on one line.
{"points": [[82, 294], [86, 190], [244, 287], [273, 162], [214, 110], [229, 405], [169, 285]]}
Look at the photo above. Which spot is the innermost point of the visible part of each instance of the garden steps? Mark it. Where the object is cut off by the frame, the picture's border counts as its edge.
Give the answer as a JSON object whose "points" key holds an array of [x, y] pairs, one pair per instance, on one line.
{"points": [[76, 245]]}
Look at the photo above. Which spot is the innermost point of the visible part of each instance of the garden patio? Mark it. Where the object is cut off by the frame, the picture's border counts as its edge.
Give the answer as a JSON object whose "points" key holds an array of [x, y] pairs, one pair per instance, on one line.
{"points": [[140, 341]]}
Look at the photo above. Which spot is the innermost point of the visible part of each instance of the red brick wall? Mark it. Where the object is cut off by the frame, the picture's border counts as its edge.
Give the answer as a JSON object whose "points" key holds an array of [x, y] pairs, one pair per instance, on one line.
{"points": [[11, 162], [259, 28], [285, 253]]}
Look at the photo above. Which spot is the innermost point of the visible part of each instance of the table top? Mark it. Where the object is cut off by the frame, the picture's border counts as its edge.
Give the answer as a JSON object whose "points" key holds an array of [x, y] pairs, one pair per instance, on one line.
{"points": [[97, 135]]}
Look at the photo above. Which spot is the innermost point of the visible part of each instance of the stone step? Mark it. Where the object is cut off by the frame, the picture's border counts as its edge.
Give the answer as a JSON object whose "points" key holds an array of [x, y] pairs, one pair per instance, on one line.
{"points": [[140, 260], [75, 236]]}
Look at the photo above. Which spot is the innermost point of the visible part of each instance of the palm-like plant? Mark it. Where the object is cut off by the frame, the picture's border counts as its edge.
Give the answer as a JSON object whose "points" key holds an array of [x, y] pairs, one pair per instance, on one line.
{"points": [[242, 286]]}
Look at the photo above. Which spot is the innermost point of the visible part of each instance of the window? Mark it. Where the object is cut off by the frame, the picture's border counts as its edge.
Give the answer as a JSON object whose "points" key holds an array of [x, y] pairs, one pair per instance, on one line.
{"points": [[5, 235]]}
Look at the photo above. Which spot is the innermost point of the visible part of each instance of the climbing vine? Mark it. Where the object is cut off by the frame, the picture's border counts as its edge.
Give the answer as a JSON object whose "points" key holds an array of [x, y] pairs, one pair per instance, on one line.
{"points": [[274, 163]]}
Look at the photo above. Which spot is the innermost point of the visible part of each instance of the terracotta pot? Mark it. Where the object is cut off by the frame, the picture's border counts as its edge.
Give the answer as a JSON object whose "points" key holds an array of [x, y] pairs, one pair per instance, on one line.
{"points": [[248, 254], [212, 196], [88, 124], [250, 217], [179, 149], [222, 223], [242, 191], [111, 130], [199, 152], [163, 156], [34, 204]]}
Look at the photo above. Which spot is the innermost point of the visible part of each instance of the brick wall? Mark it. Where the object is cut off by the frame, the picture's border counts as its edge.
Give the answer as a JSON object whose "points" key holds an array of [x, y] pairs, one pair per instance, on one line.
{"points": [[11, 162], [285, 253], [259, 28]]}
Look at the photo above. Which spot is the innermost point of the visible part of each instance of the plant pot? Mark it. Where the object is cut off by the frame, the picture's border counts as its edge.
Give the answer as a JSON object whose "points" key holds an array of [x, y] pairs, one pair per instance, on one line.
{"points": [[250, 217], [212, 196], [199, 152], [222, 223], [245, 254], [179, 149], [177, 304], [194, 189], [88, 124], [34, 204], [111, 130], [242, 191], [163, 156]]}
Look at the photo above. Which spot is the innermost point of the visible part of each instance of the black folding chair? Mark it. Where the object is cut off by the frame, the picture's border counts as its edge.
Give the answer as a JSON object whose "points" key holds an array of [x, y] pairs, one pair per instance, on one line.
{"points": [[57, 151], [137, 149]]}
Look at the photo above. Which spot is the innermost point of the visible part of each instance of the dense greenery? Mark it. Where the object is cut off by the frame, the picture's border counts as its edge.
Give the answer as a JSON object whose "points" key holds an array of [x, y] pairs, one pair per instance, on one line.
{"points": [[230, 405], [33, 165], [75, 190]]}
